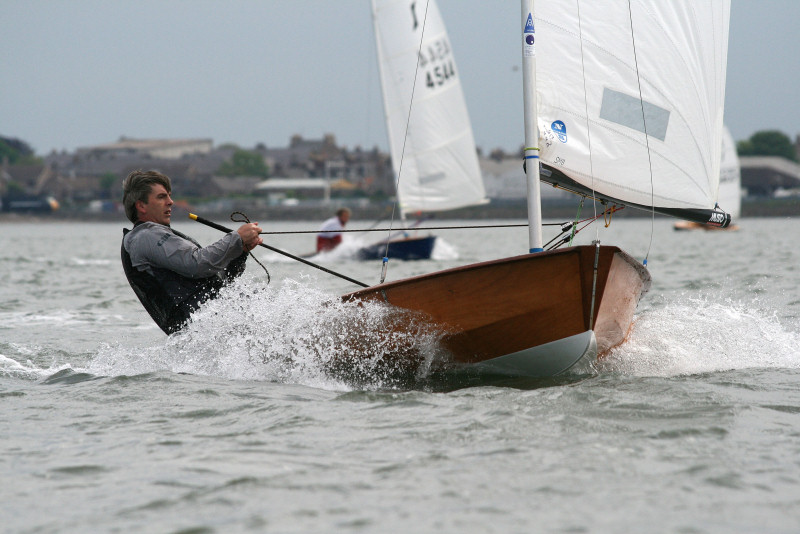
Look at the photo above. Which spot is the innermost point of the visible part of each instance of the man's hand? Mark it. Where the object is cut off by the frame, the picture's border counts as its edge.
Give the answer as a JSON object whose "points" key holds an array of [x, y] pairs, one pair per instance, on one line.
{"points": [[250, 236]]}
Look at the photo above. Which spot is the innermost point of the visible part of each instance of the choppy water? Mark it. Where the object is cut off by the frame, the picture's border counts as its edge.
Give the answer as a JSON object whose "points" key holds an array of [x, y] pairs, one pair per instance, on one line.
{"points": [[241, 425]]}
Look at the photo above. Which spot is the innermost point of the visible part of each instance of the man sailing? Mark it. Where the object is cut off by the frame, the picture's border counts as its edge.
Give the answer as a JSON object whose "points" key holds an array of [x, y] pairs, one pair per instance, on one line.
{"points": [[330, 235], [170, 272]]}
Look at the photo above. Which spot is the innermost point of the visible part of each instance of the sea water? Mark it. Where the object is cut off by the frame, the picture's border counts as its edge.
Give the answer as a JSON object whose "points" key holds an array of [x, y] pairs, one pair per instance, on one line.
{"points": [[243, 423]]}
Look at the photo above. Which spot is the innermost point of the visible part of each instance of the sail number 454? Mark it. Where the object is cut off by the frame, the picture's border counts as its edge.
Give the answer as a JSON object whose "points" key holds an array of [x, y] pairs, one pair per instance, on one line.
{"points": [[439, 74], [437, 61]]}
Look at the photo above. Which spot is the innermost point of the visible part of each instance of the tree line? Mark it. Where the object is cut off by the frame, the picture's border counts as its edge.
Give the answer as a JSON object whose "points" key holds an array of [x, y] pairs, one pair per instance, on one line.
{"points": [[768, 143], [242, 163], [17, 152]]}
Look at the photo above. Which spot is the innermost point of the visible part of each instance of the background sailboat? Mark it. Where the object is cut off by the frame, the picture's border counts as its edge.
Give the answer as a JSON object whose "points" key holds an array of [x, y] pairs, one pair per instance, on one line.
{"points": [[730, 186], [433, 149], [730, 177], [629, 96]]}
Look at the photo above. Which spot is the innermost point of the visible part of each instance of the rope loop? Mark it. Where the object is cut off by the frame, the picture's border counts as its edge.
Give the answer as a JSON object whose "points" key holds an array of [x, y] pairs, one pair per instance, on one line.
{"points": [[245, 219], [607, 214]]}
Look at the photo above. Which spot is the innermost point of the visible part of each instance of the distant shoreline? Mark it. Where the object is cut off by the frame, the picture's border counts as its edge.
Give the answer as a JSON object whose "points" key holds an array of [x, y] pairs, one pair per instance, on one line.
{"points": [[784, 207]]}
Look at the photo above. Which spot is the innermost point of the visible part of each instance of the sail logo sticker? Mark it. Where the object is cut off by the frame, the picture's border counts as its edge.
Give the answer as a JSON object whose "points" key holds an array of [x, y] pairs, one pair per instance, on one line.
{"points": [[716, 218], [529, 24], [560, 129], [529, 50]]}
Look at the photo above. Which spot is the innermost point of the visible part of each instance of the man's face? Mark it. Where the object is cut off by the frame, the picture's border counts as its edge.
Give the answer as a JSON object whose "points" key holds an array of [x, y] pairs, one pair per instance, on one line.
{"points": [[344, 217], [158, 208]]}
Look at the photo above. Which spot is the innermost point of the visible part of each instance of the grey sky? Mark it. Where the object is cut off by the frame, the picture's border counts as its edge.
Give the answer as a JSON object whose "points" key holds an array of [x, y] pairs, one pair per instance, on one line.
{"points": [[83, 72]]}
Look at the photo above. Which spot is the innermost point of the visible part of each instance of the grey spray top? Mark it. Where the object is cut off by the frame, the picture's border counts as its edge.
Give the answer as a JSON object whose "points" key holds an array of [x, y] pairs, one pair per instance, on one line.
{"points": [[151, 244]]}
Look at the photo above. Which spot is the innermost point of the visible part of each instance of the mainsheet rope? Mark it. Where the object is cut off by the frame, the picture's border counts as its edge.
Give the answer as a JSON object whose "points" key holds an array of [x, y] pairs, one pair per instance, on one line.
{"points": [[246, 219], [569, 226], [279, 251]]}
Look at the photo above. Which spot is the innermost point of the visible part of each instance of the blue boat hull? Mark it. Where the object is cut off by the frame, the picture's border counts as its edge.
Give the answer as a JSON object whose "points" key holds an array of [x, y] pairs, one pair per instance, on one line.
{"points": [[410, 248]]}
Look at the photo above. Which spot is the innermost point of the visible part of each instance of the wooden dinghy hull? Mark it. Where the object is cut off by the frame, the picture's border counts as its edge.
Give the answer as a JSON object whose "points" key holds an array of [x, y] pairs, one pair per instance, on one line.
{"points": [[533, 315]]}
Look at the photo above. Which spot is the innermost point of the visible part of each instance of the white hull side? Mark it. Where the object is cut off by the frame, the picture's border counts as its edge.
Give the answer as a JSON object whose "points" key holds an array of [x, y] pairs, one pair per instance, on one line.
{"points": [[576, 352]]}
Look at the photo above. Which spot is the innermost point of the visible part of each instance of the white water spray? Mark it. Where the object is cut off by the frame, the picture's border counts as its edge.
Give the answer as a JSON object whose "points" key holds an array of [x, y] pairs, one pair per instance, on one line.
{"points": [[700, 335], [291, 333]]}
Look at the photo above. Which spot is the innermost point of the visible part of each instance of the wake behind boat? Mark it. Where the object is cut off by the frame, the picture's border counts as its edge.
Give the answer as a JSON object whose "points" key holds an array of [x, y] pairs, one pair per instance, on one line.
{"points": [[630, 117]]}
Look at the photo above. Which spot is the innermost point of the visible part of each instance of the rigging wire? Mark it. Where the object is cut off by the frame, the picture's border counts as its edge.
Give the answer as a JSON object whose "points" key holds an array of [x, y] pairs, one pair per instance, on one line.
{"points": [[573, 229], [586, 111], [556, 242], [461, 227], [646, 138], [577, 215], [273, 249], [405, 139], [591, 169]]}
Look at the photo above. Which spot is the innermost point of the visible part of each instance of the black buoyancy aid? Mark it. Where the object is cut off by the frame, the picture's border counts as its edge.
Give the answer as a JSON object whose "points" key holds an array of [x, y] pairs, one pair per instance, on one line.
{"points": [[168, 297]]}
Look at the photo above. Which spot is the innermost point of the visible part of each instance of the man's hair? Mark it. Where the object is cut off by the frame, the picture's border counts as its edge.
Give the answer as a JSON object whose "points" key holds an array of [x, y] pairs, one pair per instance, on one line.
{"points": [[340, 211], [137, 187]]}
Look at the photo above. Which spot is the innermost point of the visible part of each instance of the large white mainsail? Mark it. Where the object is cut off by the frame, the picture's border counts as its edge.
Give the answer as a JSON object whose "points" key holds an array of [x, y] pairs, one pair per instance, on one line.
{"points": [[440, 168], [606, 73]]}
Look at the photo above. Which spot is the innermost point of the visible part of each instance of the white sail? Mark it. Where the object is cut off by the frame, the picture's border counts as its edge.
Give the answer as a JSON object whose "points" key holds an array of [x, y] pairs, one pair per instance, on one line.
{"points": [[595, 59], [730, 177], [440, 168]]}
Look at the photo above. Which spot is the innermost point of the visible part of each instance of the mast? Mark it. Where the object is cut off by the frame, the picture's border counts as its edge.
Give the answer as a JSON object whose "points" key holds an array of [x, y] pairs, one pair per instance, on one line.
{"points": [[531, 128]]}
